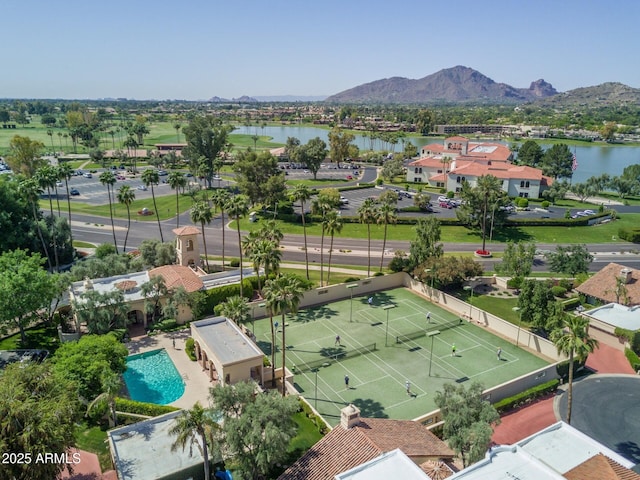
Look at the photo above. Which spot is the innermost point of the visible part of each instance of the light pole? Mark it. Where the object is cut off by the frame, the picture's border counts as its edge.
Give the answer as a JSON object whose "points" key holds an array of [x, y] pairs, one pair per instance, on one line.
{"points": [[351, 287], [432, 334], [316, 385], [386, 333], [517, 309], [469, 288]]}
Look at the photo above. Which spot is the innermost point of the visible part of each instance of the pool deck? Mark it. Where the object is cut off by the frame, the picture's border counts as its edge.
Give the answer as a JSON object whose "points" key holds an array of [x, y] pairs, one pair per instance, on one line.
{"points": [[196, 382]]}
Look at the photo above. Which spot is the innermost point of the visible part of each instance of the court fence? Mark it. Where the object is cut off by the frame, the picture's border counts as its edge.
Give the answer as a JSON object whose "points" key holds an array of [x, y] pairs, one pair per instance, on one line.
{"points": [[336, 357]]}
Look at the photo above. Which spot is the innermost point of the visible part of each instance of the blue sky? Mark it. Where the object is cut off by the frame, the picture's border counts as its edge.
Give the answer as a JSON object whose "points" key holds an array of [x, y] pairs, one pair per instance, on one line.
{"points": [[196, 49]]}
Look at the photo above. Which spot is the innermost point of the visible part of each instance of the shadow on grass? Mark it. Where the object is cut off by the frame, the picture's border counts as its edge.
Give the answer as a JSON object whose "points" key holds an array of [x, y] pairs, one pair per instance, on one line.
{"points": [[43, 337]]}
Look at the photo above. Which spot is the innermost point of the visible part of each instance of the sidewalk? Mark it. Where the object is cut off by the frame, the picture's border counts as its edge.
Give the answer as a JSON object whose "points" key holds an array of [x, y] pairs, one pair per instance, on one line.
{"points": [[527, 420]]}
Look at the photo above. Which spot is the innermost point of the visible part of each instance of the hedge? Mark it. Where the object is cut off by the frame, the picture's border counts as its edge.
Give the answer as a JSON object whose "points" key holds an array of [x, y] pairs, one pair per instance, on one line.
{"points": [[571, 303], [633, 358], [166, 325], [558, 291], [525, 397], [190, 348], [141, 408], [220, 294], [629, 234]]}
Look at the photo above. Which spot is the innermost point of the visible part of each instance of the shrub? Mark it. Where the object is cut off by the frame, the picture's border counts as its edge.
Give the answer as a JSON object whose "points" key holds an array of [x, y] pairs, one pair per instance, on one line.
{"points": [[235, 263], [633, 358], [629, 234], [515, 282], [525, 397], [351, 279], [166, 324], [545, 204], [379, 181], [522, 202], [142, 408], [190, 348], [378, 274], [451, 194], [571, 303], [104, 250], [442, 190], [558, 291], [566, 283], [563, 369]]}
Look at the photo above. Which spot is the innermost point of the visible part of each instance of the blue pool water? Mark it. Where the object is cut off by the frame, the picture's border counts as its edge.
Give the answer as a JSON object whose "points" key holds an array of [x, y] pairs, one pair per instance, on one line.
{"points": [[152, 377]]}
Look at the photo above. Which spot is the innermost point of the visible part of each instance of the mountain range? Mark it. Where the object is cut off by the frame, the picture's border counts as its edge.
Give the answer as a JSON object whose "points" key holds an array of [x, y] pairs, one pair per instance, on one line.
{"points": [[451, 85]]}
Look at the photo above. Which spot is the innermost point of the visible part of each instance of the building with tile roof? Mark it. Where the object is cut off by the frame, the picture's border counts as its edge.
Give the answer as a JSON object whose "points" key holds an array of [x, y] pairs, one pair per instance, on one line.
{"points": [[358, 440], [601, 287], [557, 452], [457, 160]]}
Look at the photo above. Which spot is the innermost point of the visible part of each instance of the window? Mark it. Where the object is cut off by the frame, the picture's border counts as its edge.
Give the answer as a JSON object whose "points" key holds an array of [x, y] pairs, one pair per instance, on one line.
{"points": [[458, 189], [189, 245], [526, 184], [440, 184], [458, 179], [464, 179], [522, 184], [417, 180], [439, 171]]}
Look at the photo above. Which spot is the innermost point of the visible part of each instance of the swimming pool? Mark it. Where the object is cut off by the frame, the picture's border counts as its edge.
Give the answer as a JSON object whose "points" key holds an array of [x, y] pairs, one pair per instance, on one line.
{"points": [[152, 377]]}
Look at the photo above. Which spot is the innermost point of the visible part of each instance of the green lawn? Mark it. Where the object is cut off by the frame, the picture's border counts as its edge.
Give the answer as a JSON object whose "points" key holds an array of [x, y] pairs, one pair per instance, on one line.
{"points": [[40, 337], [94, 439], [320, 182]]}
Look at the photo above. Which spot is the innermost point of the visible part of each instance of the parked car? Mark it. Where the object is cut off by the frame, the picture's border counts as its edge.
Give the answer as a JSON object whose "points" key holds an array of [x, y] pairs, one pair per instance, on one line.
{"points": [[162, 173], [344, 200], [59, 184], [442, 199], [217, 177], [582, 214], [74, 192], [142, 187], [445, 205], [349, 177], [87, 175], [120, 177], [589, 212]]}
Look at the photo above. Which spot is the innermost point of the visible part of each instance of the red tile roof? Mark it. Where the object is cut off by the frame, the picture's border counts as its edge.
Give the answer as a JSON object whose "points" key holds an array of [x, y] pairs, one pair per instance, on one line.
{"points": [[603, 285], [600, 467], [188, 230], [342, 449], [176, 276]]}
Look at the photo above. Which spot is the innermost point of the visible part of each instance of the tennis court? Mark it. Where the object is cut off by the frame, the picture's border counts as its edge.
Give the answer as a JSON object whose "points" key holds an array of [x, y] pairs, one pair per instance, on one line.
{"points": [[384, 345]]}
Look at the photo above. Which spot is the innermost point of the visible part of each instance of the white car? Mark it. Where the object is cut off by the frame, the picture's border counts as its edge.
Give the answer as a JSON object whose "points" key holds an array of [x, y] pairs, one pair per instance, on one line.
{"points": [[589, 212], [442, 199], [582, 214], [142, 187], [344, 200]]}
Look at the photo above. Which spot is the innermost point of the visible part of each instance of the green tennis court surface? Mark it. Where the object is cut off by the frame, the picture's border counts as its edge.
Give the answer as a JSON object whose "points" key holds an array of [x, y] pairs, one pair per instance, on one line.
{"points": [[380, 357]]}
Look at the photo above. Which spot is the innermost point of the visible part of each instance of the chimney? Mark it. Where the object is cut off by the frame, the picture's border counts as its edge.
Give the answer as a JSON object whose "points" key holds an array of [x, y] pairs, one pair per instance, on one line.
{"points": [[625, 274], [349, 416]]}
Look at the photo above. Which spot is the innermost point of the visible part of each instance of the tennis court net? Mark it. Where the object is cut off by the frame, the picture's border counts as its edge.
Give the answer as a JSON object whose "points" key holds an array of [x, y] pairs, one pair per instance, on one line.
{"points": [[341, 355], [432, 326]]}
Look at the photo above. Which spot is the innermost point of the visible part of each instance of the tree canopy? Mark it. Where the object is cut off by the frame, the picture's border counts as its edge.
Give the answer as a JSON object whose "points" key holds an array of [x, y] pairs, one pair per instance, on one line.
{"points": [[38, 411], [570, 259], [256, 429], [557, 161], [259, 177], [517, 260], [207, 139], [468, 420], [85, 362]]}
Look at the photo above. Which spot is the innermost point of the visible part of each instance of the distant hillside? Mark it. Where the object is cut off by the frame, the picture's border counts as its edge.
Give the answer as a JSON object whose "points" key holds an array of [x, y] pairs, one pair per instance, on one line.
{"points": [[243, 99], [603, 95], [291, 98], [451, 85]]}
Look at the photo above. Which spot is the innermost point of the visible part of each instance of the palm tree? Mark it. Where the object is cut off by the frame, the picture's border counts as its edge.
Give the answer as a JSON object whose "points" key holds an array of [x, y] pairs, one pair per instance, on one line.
{"points": [[238, 207], [263, 253], [195, 427], [31, 191], [46, 178], [201, 213], [332, 224], [65, 172], [235, 308], [283, 294], [131, 145], [301, 193], [177, 126], [126, 196], [109, 179], [489, 188], [386, 215], [176, 181], [320, 207], [220, 198], [367, 214], [150, 178], [270, 231], [573, 340], [111, 385]]}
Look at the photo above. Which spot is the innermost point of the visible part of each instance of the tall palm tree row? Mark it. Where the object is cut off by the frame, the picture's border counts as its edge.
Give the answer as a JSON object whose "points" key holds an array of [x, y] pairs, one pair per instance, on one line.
{"points": [[126, 196], [201, 213], [386, 215], [150, 178], [572, 338], [65, 172], [301, 193], [235, 308], [321, 207], [108, 179], [195, 427], [177, 181], [332, 224], [220, 199], [283, 294], [31, 190], [237, 207], [367, 215]]}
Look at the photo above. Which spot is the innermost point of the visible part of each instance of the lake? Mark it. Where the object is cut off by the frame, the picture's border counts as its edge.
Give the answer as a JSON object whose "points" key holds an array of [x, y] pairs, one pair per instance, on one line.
{"points": [[592, 160]]}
